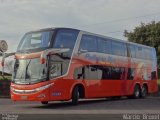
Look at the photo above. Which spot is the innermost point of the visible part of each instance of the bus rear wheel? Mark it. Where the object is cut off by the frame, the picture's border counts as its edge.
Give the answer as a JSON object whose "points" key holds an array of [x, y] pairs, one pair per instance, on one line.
{"points": [[44, 102], [144, 91], [75, 96]]}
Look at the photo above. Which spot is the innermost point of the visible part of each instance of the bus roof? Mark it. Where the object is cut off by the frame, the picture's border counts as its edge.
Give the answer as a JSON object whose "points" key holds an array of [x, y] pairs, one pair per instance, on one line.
{"points": [[98, 35], [47, 29]]}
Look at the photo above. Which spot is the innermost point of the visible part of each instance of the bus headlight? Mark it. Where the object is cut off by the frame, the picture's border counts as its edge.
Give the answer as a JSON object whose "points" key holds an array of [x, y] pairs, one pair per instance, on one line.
{"points": [[43, 87], [32, 90]]}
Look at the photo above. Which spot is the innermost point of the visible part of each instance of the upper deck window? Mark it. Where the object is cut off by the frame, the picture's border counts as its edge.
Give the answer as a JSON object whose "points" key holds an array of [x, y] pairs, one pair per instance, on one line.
{"points": [[148, 53], [104, 46], [132, 50], [140, 52], [88, 43], [65, 39], [119, 48]]}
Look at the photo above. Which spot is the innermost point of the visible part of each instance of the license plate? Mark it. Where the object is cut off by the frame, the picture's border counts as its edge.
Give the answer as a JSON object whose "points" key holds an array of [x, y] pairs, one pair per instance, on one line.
{"points": [[24, 97]]}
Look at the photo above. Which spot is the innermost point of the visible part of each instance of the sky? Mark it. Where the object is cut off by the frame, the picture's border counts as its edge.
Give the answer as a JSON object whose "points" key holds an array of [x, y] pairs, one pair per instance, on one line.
{"points": [[105, 17]]}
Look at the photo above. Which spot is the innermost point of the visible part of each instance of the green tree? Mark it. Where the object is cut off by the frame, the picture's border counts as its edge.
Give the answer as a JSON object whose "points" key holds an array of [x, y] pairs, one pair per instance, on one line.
{"points": [[146, 34]]}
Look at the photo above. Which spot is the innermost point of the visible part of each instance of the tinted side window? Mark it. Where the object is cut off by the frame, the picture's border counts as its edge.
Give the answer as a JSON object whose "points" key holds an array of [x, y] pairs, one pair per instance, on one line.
{"points": [[107, 72], [88, 43], [131, 73], [96, 72], [65, 39], [104, 46], [132, 51], [118, 73], [119, 48], [110, 73]]}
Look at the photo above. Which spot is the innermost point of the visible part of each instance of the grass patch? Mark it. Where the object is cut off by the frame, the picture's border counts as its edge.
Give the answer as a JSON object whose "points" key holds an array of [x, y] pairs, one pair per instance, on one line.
{"points": [[6, 78]]}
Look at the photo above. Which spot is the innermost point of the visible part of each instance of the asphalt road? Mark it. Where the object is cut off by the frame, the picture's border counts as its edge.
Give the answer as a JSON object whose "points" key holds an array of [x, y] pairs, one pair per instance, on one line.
{"points": [[95, 108]]}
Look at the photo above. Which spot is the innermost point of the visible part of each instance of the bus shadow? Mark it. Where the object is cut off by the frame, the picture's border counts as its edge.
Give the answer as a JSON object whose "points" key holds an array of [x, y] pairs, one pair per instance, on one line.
{"points": [[83, 104]]}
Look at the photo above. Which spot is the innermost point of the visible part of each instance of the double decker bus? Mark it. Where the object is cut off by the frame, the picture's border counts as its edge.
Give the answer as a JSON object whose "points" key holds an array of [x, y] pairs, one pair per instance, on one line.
{"points": [[57, 64]]}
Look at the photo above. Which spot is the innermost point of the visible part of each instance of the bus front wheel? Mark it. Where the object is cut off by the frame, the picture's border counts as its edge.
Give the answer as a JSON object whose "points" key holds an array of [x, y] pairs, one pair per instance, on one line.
{"points": [[75, 96]]}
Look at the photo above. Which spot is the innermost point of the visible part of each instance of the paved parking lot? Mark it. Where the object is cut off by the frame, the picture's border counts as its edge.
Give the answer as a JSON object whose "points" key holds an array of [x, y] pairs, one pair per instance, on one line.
{"points": [[95, 108]]}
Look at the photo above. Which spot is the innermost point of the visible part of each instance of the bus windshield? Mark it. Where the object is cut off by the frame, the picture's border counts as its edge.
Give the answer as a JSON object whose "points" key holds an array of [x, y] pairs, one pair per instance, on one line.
{"points": [[29, 70], [35, 40]]}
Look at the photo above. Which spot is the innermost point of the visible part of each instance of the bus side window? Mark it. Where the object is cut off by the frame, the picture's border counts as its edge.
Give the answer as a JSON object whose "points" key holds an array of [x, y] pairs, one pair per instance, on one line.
{"points": [[132, 52], [140, 52], [118, 73], [106, 72], [88, 44], [147, 53], [104, 46], [65, 39], [125, 49], [131, 73], [119, 48]]}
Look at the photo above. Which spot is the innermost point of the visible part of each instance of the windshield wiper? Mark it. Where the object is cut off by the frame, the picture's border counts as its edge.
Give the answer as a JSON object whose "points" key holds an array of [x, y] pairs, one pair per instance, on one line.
{"points": [[26, 74]]}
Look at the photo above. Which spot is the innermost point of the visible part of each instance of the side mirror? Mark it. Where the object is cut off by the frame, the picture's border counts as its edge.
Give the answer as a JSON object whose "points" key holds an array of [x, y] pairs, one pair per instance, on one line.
{"points": [[45, 53], [3, 46]]}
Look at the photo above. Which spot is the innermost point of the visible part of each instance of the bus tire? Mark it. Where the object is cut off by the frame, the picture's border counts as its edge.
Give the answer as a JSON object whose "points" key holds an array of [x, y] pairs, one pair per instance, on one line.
{"points": [[44, 102], [137, 92], [144, 91], [75, 96]]}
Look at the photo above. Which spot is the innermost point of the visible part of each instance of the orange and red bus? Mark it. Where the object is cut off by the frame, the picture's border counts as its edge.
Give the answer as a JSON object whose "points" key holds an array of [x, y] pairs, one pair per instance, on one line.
{"points": [[57, 64]]}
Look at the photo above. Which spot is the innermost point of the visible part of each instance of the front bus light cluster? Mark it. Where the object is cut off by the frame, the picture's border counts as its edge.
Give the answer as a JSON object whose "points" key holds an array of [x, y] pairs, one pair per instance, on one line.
{"points": [[31, 91]]}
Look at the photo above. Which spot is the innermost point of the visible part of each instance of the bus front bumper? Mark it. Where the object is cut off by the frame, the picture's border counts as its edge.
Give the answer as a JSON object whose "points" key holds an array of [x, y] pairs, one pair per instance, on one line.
{"points": [[37, 94]]}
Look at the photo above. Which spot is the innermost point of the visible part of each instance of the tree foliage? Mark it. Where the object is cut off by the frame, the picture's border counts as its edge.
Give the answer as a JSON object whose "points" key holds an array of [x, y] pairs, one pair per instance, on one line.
{"points": [[146, 34]]}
